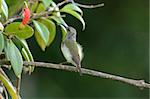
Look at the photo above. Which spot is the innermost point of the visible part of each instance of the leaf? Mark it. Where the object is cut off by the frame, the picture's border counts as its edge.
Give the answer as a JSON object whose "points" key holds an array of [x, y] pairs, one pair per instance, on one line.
{"points": [[40, 8], [15, 58], [22, 44], [51, 27], [34, 6], [24, 33], [1, 42], [29, 69], [17, 43], [0, 6], [4, 8], [47, 2], [9, 86], [64, 32], [59, 20], [53, 4], [6, 48], [40, 40], [42, 31], [56, 16], [75, 14], [23, 47], [25, 55], [1, 27], [73, 7]]}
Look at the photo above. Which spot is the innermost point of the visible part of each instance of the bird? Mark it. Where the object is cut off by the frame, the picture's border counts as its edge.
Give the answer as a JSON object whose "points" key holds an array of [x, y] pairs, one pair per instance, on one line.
{"points": [[72, 51]]}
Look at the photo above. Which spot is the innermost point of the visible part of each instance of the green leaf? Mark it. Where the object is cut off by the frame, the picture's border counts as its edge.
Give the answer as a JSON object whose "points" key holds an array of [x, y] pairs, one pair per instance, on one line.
{"points": [[53, 4], [17, 42], [1, 27], [47, 2], [0, 6], [39, 40], [42, 31], [22, 44], [75, 14], [56, 16], [59, 20], [51, 27], [15, 58], [40, 8], [9, 86], [1, 42], [6, 48], [64, 32], [29, 69], [25, 55], [23, 47], [24, 33], [4, 8], [26, 48], [73, 7], [34, 6]]}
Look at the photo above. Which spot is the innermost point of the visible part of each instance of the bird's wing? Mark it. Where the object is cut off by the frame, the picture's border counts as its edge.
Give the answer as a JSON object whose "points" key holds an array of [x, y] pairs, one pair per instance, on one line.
{"points": [[73, 48]]}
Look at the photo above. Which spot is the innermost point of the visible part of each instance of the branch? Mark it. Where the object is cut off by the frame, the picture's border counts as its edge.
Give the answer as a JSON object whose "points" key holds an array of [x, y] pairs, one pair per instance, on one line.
{"points": [[90, 6], [138, 83]]}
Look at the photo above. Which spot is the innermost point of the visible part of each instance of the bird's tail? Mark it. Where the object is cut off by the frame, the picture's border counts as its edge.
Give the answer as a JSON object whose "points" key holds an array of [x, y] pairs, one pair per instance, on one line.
{"points": [[79, 70]]}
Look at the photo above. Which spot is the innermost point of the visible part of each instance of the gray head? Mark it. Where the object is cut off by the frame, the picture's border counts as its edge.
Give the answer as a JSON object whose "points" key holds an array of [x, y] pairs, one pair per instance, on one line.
{"points": [[71, 35]]}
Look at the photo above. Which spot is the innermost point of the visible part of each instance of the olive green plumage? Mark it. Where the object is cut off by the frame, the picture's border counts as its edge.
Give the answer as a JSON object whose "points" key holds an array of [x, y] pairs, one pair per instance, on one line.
{"points": [[71, 50]]}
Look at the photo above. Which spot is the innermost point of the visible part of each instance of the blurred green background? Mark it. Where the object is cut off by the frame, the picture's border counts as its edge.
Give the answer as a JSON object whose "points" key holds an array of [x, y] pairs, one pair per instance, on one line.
{"points": [[116, 40]]}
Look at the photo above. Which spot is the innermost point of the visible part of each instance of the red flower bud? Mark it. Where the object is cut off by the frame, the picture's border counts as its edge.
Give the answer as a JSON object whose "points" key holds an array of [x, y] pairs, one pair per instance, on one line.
{"points": [[26, 15]]}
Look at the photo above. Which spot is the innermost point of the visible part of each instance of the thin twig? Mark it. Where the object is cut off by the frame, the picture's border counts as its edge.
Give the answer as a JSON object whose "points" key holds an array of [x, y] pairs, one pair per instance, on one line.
{"points": [[138, 83], [18, 85], [90, 6], [11, 20], [62, 3]]}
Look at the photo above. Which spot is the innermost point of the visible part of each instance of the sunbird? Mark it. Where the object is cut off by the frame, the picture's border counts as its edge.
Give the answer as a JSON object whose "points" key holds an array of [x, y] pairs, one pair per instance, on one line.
{"points": [[72, 50]]}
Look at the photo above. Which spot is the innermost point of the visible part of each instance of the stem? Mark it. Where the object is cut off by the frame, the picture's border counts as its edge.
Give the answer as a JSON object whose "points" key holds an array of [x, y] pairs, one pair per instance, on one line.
{"points": [[90, 6], [18, 85]]}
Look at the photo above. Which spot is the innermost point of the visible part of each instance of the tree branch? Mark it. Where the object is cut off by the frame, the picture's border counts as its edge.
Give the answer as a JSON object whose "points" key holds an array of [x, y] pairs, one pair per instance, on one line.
{"points": [[138, 83], [90, 6]]}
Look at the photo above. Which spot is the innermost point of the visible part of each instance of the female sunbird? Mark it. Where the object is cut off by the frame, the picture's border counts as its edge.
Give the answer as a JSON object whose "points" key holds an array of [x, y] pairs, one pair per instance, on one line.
{"points": [[71, 50]]}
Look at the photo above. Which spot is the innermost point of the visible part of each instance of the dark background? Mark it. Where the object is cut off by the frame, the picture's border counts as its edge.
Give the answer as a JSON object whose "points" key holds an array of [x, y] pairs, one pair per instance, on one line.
{"points": [[115, 41]]}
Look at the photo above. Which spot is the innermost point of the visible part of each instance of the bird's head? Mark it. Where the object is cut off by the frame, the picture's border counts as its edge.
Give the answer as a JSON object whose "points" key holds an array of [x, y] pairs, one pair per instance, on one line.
{"points": [[71, 34]]}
